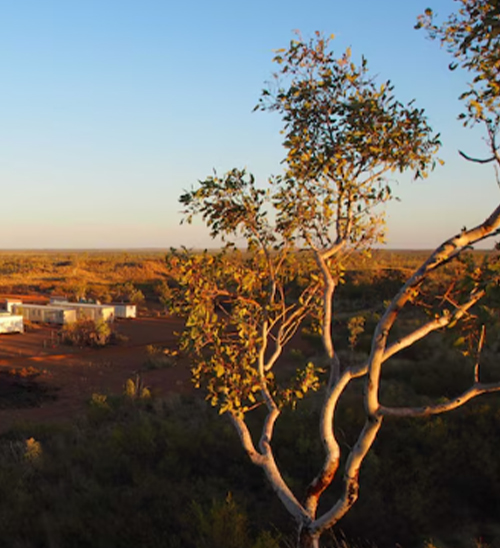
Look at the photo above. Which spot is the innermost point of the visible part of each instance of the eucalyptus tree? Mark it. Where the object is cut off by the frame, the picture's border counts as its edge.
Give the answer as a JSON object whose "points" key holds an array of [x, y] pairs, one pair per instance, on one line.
{"points": [[345, 136]]}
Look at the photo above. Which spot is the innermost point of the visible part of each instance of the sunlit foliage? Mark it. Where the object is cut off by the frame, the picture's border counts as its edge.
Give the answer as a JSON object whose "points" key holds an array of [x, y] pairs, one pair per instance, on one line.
{"points": [[472, 36]]}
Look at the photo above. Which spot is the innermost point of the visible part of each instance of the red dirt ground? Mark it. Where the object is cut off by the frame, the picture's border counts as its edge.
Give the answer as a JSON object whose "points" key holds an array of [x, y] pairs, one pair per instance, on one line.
{"points": [[74, 374]]}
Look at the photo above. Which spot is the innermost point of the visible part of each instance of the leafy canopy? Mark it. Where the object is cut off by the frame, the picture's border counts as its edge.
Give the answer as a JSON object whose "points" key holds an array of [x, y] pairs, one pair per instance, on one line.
{"points": [[344, 134], [472, 37], [238, 305]]}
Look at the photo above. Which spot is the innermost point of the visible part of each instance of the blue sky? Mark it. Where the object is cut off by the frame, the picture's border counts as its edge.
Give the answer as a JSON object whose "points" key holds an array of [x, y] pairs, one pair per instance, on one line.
{"points": [[110, 108]]}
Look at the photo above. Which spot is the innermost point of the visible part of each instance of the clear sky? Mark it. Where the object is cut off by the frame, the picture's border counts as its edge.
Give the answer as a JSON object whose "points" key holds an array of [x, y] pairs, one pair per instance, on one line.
{"points": [[110, 108]]}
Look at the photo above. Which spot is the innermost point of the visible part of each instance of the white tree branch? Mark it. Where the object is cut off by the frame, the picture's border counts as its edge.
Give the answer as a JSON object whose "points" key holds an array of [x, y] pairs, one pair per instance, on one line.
{"points": [[351, 476], [438, 323], [246, 439], [451, 247], [424, 411], [330, 443], [267, 463]]}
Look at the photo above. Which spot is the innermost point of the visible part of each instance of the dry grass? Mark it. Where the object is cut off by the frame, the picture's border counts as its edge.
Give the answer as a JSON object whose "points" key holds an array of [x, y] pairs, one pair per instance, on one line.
{"points": [[77, 272]]}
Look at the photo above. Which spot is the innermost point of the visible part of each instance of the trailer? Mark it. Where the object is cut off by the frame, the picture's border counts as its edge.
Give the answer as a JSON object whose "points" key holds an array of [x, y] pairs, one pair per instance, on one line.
{"points": [[89, 311], [125, 310], [10, 323], [38, 313]]}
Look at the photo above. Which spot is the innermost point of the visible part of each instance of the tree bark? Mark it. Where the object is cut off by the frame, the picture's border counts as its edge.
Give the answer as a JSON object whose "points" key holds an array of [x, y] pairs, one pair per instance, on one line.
{"points": [[307, 539]]}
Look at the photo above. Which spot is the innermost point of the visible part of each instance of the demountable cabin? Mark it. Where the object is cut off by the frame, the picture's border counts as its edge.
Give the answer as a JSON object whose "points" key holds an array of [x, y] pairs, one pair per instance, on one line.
{"points": [[125, 310], [58, 299], [10, 323], [90, 311], [38, 313], [9, 303]]}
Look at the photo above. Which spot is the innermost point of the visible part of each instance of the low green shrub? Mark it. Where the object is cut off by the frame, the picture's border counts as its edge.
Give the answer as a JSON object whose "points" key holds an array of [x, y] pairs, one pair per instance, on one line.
{"points": [[88, 333], [159, 358]]}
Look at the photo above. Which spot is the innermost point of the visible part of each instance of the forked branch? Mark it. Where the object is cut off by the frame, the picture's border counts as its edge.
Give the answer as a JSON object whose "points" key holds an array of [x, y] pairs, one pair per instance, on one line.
{"points": [[451, 247], [330, 443], [381, 352]]}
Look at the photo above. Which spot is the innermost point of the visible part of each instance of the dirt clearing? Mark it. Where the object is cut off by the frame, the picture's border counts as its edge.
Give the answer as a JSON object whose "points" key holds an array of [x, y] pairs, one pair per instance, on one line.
{"points": [[42, 380]]}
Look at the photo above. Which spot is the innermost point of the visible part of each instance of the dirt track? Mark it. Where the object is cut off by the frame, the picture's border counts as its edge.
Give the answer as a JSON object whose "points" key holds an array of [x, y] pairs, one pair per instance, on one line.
{"points": [[72, 375]]}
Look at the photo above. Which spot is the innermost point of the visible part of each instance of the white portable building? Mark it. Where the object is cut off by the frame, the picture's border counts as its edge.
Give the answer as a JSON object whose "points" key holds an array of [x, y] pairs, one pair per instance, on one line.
{"points": [[10, 323], [90, 311], [57, 299], [9, 304], [125, 310], [38, 313]]}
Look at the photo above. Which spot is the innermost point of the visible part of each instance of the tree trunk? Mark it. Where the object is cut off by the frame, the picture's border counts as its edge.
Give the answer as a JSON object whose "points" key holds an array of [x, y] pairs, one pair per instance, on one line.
{"points": [[307, 540]]}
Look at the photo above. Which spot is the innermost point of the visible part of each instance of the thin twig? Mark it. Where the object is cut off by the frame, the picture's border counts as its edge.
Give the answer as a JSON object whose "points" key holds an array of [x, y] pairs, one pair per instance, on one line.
{"points": [[477, 160], [478, 354]]}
